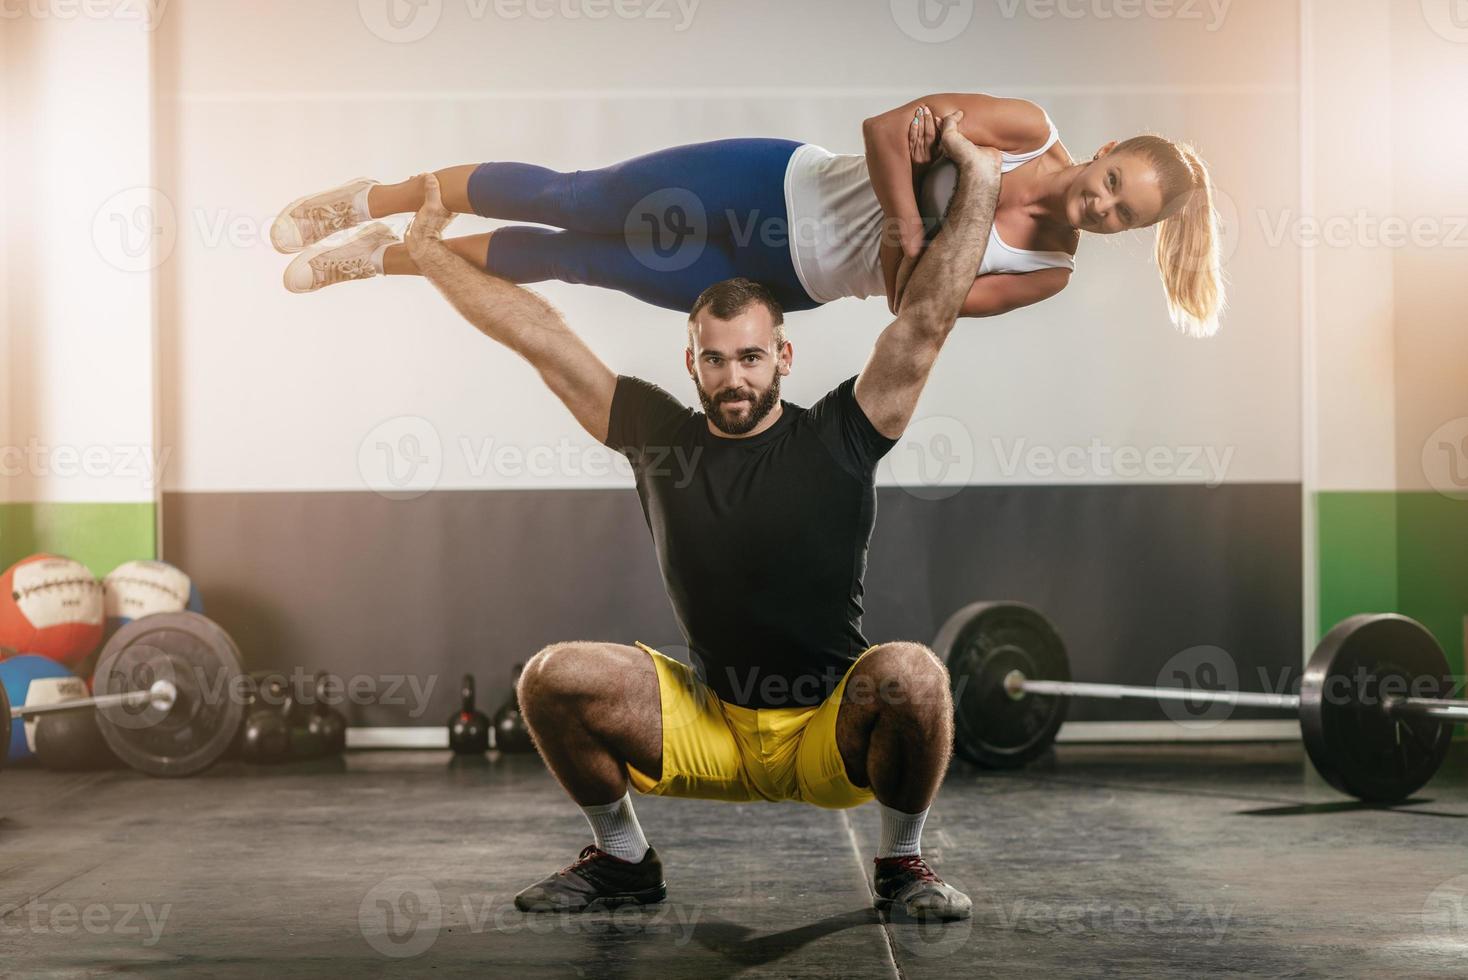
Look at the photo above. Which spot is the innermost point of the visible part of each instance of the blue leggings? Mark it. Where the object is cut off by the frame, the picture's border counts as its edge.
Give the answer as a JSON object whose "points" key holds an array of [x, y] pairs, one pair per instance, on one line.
{"points": [[661, 227]]}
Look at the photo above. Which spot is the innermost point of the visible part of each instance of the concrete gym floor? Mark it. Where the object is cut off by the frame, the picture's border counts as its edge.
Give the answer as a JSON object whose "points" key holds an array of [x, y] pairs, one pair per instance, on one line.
{"points": [[1184, 861]]}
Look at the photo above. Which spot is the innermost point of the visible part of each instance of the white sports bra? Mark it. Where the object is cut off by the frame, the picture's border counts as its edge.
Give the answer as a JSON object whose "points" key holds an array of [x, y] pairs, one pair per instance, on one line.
{"points": [[836, 222]]}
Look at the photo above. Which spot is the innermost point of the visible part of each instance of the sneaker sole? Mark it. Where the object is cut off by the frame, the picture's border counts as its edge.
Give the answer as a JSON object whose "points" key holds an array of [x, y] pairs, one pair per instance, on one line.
{"points": [[606, 903], [297, 203], [887, 905]]}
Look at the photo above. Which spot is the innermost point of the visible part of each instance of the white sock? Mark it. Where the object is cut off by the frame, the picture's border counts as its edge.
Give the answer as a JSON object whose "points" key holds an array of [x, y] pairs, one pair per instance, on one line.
{"points": [[902, 833], [377, 258], [616, 828], [359, 204]]}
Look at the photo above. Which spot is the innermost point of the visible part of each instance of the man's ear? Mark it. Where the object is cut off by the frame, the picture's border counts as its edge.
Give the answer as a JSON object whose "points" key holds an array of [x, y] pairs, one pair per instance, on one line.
{"points": [[787, 358], [1105, 150], [688, 360]]}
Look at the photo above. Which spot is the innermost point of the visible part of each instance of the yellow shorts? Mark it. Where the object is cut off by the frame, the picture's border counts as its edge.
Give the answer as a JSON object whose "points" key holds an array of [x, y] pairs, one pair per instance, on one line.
{"points": [[713, 750]]}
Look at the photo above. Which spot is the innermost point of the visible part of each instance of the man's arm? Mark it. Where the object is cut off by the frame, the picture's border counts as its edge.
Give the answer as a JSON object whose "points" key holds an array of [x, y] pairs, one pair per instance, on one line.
{"points": [[888, 387], [516, 317]]}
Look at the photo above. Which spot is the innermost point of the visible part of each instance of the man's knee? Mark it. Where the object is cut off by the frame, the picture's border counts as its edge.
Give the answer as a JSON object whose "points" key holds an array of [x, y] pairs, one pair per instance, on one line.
{"points": [[904, 677], [573, 671]]}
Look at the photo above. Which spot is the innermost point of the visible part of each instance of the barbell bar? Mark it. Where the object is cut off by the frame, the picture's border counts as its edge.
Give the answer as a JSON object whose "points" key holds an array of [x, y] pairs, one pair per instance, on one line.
{"points": [[1011, 684], [161, 695]]}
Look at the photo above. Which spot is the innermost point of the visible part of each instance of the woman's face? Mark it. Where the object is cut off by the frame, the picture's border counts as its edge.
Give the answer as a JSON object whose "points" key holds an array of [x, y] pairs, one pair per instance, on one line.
{"points": [[1115, 192]]}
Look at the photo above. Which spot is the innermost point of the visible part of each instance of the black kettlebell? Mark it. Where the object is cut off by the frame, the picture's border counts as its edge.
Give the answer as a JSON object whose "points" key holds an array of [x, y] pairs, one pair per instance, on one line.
{"points": [[326, 727], [267, 735], [510, 732], [468, 727], [72, 741]]}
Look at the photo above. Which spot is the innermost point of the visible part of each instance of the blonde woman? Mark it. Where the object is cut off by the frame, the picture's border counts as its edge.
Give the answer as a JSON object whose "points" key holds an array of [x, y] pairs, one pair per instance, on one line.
{"points": [[813, 226]]}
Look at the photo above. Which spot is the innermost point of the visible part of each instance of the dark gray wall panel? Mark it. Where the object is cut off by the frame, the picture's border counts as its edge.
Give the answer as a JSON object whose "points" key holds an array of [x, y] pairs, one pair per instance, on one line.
{"points": [[374, 589]]}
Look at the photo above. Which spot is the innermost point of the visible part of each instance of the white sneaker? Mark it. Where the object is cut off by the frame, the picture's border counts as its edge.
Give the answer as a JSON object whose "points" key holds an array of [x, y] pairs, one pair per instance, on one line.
{"points": [[326, 265], [308, 220]]}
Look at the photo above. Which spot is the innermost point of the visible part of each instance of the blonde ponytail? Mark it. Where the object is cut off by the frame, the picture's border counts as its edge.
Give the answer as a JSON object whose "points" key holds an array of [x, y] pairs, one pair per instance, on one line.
{"points": [[1188, 237]]}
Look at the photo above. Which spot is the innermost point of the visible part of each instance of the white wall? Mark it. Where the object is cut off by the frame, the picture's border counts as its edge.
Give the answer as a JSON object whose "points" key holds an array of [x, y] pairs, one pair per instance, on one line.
{"points": [[79, 385], [263, 101]]}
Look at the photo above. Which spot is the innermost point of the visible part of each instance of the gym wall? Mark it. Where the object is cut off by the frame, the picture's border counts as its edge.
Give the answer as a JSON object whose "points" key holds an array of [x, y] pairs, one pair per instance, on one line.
{"points": [[287, 410], [342, 478], [78, 458]]}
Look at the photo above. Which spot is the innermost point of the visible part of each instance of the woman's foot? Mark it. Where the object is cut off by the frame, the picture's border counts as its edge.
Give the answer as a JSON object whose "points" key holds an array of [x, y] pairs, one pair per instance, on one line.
{"points": [[359, 257], [312, 218]]}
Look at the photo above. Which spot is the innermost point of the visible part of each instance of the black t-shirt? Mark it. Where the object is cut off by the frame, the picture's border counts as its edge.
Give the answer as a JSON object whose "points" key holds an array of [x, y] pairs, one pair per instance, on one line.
{"points": [[762, 541]]}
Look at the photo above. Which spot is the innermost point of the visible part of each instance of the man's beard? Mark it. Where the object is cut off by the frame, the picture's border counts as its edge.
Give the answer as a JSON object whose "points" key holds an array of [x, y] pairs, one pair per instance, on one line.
{"points": [[758, 409]]}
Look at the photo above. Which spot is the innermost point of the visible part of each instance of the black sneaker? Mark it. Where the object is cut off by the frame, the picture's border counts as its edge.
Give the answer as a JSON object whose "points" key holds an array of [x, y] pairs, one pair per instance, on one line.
{"points": [[597, 881], [908, 882]]}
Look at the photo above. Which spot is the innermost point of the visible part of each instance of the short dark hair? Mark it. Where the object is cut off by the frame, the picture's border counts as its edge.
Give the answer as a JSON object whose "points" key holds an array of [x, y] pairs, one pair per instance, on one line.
{"points": [[732, 297]]}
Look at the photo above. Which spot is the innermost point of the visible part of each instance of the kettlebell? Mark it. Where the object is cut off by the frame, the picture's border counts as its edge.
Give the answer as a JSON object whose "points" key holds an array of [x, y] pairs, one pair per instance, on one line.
{"points": [[326, 727], [468, 727], [72, 741], [510, 731], [267, 736]]}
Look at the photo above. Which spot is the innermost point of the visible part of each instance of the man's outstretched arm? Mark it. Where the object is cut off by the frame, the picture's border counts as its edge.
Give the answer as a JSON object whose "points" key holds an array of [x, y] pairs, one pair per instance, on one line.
{"points": [[905, 353], [516, 317]]}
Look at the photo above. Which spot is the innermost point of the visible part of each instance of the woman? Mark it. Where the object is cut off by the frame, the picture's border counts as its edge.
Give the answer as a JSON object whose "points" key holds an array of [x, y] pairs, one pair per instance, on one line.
{"points": [[812, 225]]}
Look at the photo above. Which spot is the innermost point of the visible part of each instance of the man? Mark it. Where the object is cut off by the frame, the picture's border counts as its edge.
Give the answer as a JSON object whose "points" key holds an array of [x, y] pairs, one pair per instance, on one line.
{"points": [[762, 550]]}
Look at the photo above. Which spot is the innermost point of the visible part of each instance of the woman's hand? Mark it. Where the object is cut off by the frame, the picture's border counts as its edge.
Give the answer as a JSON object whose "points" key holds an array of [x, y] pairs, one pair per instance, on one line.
{"points": [[922, 139]]}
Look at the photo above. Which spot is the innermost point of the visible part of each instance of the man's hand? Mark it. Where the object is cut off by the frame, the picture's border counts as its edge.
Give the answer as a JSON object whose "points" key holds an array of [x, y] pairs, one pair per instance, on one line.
{"points": [[983, 161], [430, 221]]}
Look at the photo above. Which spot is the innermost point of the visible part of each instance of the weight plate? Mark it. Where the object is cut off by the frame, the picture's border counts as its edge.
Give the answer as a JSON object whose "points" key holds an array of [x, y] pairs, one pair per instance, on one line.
{"points": [[1356, 745], [203, 663], [981, 644]]}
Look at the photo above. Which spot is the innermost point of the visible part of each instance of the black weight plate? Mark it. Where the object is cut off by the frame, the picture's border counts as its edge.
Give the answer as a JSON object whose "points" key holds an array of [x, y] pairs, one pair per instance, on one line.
{"points": [[981, 644], [4, 725], [1356, 745], [203, 663]]}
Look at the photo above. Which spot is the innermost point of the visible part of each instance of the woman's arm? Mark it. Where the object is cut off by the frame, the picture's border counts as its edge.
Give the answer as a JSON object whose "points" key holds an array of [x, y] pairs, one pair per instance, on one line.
{"points": [[1006, 124], [1001, 292]]}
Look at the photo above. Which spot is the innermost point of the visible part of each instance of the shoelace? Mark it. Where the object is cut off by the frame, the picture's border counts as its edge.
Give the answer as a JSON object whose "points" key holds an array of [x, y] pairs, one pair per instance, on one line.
{"points": [[328, 218], [342, 270], [589, 853], [915, 866]]}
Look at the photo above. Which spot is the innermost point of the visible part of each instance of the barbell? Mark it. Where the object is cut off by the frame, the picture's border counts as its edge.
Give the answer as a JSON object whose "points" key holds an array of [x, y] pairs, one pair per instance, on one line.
{"points": [[1373, 707], [166, 692]]}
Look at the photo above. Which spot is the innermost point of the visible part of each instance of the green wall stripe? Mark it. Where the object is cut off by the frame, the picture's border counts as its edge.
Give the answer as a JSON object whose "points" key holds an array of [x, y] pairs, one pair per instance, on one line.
{"points": [[100, 536], [1396, 552]]}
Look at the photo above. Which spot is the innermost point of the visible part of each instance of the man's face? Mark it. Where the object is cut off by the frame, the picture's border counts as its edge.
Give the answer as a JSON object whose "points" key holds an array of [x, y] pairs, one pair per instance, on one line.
{"points": [[736, 366]]}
